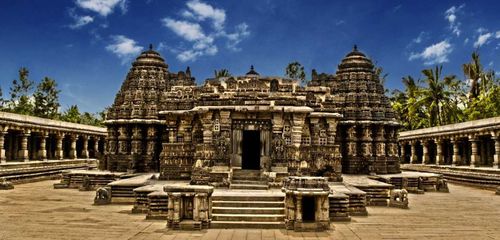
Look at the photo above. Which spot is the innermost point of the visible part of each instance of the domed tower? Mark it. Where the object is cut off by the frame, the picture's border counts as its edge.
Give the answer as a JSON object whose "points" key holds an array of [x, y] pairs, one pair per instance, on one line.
{"points": [[368, 128], [134, 133]]}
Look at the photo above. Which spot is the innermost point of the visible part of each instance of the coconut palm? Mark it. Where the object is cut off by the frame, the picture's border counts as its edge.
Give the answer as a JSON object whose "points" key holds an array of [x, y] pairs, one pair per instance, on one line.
{"points": [[222, 73], [438, 97]]}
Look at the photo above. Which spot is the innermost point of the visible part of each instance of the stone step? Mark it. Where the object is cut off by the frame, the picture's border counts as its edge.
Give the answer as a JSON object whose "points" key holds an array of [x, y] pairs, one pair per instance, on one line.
{"points": [[255, 182], [249, 186], [249, 198], [245, 224], [248, 210], [249, 178], [249, 217], [238, 173], [248, 203]]}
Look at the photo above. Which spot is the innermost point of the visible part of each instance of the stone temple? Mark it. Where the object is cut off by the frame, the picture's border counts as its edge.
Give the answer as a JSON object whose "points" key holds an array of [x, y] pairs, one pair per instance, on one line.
{"points": [[162, 121]]}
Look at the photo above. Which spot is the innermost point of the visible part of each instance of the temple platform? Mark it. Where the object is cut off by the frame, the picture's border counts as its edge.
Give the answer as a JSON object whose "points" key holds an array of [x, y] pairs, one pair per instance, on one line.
{"points": [[483, 177], [21, 172]]}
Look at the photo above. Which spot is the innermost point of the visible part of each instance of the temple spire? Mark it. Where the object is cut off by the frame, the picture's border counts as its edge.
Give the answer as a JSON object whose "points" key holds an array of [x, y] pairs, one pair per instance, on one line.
{"points": [[150, 46], [355, 49]]}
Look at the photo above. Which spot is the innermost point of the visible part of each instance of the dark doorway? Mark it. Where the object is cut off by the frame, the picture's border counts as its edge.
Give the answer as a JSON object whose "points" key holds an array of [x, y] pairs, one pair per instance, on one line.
{"points": [[251, 150], [308, 209]]}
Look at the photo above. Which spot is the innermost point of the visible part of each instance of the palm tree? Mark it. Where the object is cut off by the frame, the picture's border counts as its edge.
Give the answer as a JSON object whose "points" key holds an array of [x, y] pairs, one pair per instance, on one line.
{"points": [[474, 72], [222, 73], [437, 97]]}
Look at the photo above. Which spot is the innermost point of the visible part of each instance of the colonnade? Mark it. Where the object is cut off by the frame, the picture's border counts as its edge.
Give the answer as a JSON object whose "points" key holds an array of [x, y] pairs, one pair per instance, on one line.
{"points": [[474, 143], [25, 138]]}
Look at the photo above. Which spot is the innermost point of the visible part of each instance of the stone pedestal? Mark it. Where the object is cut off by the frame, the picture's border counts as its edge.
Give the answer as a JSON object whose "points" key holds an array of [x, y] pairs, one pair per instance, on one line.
{"points": [[306, 203], [188, 206], [5, 185]]}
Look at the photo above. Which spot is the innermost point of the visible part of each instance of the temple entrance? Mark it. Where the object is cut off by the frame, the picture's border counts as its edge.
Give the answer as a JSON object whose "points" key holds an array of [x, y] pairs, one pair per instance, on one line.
{"points": [[251, 150], [308, 209]]}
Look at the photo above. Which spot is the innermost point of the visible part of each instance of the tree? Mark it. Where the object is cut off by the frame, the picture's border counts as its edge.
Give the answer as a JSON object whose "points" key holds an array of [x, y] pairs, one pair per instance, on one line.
{"points": [[2, 101], [46, 99], [436, 98], [473, 71], [20, 101], [72, 114], [222, 73], [295, 70]]}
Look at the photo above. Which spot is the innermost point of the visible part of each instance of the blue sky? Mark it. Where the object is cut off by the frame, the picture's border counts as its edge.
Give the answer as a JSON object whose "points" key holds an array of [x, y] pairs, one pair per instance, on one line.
{"points": [[87, 45]]}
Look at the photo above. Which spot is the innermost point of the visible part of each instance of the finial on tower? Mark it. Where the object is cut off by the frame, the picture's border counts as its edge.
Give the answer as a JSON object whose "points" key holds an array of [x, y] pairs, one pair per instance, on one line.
{"points": [[150, 46], [355, 48]]}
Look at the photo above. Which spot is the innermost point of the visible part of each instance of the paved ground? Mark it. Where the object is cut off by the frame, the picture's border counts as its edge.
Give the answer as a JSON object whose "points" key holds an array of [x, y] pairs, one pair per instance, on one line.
{"points": [[36, 211]]}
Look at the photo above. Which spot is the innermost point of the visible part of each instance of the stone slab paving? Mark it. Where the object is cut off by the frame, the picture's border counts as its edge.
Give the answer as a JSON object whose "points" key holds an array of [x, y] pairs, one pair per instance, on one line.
{"points": [[37, 211]]}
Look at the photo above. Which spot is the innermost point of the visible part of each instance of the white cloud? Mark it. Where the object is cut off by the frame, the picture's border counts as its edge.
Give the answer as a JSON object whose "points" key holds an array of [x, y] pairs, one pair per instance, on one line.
{"points": [[482, 39], [187, 30], [102, 7], [497, 34], [203, 11], [451, 15], [436, 53], [420, 37], [235, 38], [81, 21], [203, 40], [123, 47], [339, 22]]}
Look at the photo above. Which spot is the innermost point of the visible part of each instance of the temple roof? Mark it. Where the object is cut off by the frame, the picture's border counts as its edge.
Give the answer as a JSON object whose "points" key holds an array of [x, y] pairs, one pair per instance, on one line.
{"points": [[252, 71], [355, 61], [150, 58]]}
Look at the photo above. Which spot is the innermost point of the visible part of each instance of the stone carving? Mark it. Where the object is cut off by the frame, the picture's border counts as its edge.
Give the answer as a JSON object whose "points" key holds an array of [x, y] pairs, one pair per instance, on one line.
{"points": [[366, 148], [442, 185], [5, 185], [86, 184], [102, 196], [399, 198], [170, 121]]}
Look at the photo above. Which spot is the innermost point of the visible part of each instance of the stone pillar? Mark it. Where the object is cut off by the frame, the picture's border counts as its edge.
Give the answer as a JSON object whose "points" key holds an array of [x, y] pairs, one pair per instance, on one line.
{"points": [[85, 148], [123, 140], [72, 150], [496, 157], [96, 147], [2, 147], [403, 151], [59, 154], [413, 156], [23, 152], [456, 157], [474, 158], [439, 152], [425, 152], [42, 153], [298, 212]]}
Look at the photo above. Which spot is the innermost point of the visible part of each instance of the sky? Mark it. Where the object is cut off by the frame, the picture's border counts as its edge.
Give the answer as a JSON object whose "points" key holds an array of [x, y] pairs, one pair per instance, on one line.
{"points": [[88, 46]]}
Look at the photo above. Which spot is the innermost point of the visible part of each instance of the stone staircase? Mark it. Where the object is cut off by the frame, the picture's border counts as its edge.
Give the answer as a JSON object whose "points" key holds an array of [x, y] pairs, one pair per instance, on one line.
{"points": [[248, 210], [249, 180]]}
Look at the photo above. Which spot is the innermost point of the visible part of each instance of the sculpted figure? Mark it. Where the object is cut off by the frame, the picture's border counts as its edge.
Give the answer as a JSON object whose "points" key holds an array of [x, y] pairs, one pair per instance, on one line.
{"points": [[102, 196]]}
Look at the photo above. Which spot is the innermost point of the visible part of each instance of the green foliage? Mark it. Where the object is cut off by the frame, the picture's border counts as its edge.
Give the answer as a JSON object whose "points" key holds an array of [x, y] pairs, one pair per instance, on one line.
{"points": [[295, 70], [2, 100], [438, 100], [72, 114], [20, 92], [222, 73], [46, 99]]}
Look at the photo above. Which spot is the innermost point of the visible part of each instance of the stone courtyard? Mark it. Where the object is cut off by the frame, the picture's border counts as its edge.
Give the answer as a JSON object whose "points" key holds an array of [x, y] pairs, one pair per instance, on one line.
{"points": [[37, 211]]}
